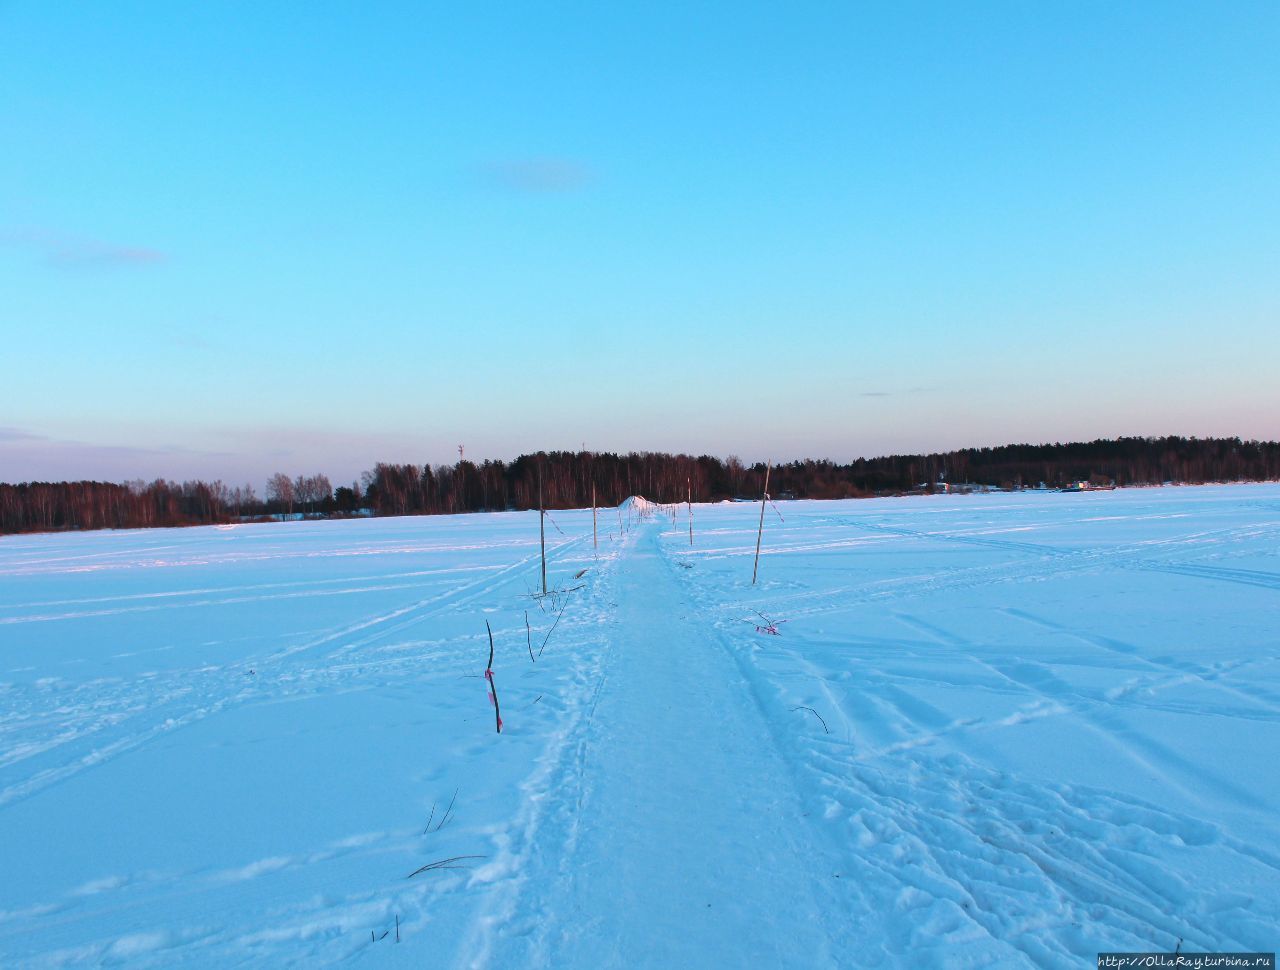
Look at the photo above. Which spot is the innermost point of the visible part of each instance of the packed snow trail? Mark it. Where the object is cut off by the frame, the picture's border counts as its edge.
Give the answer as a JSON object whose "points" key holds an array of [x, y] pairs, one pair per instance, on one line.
{"points": [[676, 837]]}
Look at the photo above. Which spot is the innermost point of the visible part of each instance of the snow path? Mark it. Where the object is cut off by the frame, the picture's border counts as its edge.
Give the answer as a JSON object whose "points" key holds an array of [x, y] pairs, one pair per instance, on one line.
{"points": [[676, 831]]}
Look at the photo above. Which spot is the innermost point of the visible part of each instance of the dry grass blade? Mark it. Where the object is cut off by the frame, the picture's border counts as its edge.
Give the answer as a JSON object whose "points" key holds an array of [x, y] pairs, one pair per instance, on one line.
{"points": [[450, 863], [448, 811], [554, 625]]}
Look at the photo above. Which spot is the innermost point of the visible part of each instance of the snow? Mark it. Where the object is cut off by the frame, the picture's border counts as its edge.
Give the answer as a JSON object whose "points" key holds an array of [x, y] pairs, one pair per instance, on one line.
{"points": [[1009, 729]]}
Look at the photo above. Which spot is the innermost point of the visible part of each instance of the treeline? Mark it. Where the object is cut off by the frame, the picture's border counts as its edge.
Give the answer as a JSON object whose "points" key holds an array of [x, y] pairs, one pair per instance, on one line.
{"points": [[47, 506], [56, 506], [564, 479]]}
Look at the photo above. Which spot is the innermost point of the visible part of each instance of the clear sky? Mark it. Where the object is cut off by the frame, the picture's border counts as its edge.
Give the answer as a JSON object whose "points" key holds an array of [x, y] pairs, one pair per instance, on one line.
{"points": [[242, 237]]}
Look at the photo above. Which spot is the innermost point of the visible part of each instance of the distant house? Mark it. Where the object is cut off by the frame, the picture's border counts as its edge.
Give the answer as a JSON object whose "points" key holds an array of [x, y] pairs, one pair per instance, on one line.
{"points": [[1086, 486]]}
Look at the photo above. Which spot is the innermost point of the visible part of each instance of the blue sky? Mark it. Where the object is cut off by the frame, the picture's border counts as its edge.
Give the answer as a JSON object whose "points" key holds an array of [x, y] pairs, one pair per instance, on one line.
{"points": [[236, 238]]}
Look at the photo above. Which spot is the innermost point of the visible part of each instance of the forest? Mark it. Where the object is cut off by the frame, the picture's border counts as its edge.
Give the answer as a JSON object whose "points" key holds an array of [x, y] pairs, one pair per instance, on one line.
{"points": [[562, 479]]}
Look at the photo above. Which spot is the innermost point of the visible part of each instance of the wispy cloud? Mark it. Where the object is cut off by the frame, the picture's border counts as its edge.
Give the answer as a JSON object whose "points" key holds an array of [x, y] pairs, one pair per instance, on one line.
{"points": [[537, 175], [901, 393], [68, 251]]}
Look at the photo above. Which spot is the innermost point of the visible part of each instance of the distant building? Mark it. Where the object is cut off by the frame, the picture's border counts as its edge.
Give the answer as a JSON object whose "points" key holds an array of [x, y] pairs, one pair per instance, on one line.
{"points": [[1086, 486]]}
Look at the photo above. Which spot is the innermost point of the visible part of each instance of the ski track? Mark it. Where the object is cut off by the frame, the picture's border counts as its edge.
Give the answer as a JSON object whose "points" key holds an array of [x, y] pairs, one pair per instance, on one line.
{"points": [[215, 689], [356, 655], [947, 758]]}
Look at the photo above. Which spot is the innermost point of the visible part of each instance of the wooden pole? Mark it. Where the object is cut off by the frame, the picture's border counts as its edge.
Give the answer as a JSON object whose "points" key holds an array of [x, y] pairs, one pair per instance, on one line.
{"points": [[690, 482], [595, 535], [760, 532], [542, 530]]}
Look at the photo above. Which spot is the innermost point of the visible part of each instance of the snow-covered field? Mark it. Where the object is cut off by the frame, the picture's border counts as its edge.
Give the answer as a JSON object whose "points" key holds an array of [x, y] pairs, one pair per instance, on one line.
{"points": [[990, 730]]}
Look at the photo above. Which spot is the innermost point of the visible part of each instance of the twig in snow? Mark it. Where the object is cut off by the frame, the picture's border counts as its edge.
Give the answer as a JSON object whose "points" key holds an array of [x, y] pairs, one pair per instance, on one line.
{"points": [[488, 675], [554, 595], [815, 714], [443, 818], [448, 811], [528, 636], [553, 626], [450, 863], [770, 627]]}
